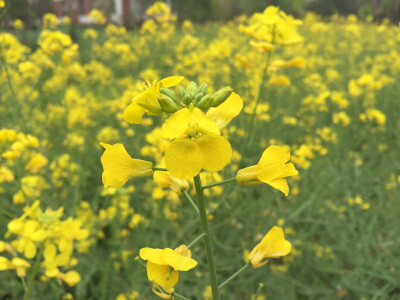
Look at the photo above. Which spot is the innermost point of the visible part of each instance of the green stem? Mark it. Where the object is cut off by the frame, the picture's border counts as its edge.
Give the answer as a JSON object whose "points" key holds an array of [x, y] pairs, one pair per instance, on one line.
{"points": [[190, 200], [260, 287], [180, 296], [260, 93], [219, 183], [33, 274], [160, 169], [192, 243], [234, 275], [207, 238]]}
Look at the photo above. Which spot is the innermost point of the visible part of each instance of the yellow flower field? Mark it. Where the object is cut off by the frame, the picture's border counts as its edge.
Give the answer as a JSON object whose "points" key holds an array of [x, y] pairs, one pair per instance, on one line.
{"points": [[259, 157]]}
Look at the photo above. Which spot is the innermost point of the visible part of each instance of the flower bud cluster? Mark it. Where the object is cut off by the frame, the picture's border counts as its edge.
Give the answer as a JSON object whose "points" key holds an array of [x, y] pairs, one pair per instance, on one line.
{"points": [[192, 95]]}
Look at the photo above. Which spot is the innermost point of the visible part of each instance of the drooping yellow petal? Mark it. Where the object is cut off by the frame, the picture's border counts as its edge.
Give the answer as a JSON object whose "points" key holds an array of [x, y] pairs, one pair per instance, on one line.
{"points": [[280, 184], [183, 158], [133, 113], [162, 275], [216, 151], [225, 112], [153, 255], [119, 166], [178, 262], [171, 81]]}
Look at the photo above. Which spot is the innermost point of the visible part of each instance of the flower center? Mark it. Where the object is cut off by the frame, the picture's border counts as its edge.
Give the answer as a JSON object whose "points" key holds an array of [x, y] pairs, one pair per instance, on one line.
{"points": [[193, 131]]}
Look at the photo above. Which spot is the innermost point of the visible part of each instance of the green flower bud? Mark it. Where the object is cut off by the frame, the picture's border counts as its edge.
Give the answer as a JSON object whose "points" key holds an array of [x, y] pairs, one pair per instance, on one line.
{"points": [[187, 99], [192, 89], [205, 102], [181, 92], [154, 109], [202, 88], [221, 95], [198, 97], [167, 104], [168, 92]]}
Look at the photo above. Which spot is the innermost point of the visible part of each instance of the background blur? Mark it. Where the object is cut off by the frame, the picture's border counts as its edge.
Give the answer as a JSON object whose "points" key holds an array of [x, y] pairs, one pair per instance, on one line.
{"points": [[131, 13]]}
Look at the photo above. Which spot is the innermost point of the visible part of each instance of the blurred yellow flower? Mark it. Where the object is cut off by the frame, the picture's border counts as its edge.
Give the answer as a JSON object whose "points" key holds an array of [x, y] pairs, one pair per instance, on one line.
{"points": [[273, 245], [197, 144], [271, 169], [119, 166]]}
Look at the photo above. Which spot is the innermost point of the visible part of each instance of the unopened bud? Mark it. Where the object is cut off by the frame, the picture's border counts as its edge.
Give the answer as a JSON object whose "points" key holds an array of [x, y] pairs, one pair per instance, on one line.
{"points": [[221, 95], [181, 92], [202, 88], [153, 108], [168, 92], [167, 104], [192, 89], [205, 102], [187, 99], [198, 97]]}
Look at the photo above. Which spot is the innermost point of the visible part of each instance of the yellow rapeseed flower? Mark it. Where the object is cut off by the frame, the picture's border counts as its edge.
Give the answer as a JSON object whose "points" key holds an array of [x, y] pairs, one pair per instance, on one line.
{"points": [[147, 102], [197, 144], [271, 169], [119, 166], [163, 264], [273, 245]]}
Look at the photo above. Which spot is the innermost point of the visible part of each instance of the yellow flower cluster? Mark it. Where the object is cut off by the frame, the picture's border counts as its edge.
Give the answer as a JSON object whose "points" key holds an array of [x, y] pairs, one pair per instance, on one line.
{"points": [[42, 234]]}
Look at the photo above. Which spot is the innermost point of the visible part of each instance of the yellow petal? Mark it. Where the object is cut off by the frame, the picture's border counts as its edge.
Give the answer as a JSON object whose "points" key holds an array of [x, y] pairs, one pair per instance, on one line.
{"points": [[216, 151], [153, 255], [50, 251], [162, 275], [280, 184], [274, 244], [71, 278], [119, 166], [30, 250], [274, 154], [133, 113], [225, 112], [176, 125], [290, 170], [267, 173], [171, 81], [178, 262], [183, 158]]}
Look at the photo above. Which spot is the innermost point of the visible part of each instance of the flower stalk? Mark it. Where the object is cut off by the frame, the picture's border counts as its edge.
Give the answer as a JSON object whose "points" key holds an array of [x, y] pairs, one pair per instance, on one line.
{"points": [[207, 238], [190, 200], [218, 183], [234, 275]]}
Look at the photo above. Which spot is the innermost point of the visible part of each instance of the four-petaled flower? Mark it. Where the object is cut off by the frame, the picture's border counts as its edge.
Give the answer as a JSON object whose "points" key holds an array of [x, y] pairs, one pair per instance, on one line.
{"points": [[196, 144]]}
